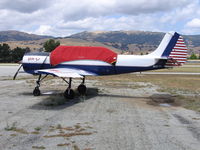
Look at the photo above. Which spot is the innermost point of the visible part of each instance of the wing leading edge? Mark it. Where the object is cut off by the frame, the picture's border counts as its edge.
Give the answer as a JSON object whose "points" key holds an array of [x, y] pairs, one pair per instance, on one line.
{"points": [[65, 72]]}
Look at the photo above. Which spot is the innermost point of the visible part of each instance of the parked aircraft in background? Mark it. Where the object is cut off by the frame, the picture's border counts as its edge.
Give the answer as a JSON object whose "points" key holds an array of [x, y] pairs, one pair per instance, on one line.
{"points": [[79, 62]]}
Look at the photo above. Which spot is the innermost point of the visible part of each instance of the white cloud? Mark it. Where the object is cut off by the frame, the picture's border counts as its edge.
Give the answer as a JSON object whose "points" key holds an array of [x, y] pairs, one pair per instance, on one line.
{"points": [[182, 13], [24, 6], [194, 23], [44, 30], [63, 17]]}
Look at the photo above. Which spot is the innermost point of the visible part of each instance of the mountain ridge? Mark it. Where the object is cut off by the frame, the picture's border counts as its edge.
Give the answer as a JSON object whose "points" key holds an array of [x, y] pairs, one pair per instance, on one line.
{"points": [[146, 41], [13, 35], [134, 42]]}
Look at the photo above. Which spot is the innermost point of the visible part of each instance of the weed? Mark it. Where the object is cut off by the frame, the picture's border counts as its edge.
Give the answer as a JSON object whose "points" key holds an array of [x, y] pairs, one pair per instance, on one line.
{"points": [[12, 127], [37, 128], [20, 131], [35, 132], [76, 147], [110, 111], [13, 135], [59, 126], [77, 126], [38, 147], [64, 144], [89, 127]]}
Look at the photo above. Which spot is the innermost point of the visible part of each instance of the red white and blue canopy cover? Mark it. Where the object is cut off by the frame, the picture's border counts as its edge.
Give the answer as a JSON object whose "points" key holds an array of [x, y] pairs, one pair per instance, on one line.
{"points": [[72, 53]]}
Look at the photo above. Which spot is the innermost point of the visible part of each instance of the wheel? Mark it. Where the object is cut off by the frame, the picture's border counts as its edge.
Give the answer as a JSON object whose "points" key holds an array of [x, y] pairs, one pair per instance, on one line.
{"points": [[82, 89], [69, 94], [36, 91]]}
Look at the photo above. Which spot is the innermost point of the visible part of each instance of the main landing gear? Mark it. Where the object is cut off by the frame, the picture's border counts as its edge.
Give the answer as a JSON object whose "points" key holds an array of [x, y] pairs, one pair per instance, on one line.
{"points": [[69, 93]]}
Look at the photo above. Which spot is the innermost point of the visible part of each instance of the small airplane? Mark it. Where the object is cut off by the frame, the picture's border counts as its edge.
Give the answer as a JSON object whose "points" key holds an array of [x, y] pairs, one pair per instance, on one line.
{"points": [[79, 62]]}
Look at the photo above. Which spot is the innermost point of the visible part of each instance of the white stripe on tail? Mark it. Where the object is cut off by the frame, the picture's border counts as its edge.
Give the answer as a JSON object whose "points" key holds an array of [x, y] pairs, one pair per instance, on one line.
{"points": [[178, 55]]}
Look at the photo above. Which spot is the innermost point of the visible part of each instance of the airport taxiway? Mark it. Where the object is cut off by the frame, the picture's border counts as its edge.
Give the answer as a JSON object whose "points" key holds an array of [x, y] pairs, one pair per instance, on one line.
{"points": [[113, 116]]}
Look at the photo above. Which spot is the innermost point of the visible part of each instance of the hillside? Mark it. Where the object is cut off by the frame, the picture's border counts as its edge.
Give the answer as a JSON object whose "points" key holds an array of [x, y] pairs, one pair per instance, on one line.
{"points": [[135, 41], [37, 45], [19, 36]]}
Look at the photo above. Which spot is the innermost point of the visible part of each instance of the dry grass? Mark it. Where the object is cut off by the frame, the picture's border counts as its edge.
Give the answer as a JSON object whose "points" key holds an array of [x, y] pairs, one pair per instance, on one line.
{"points": [[181, 69], [76, 130], [184, 82], [189, 102], [22, 131], [185, 87], [68, 134]]}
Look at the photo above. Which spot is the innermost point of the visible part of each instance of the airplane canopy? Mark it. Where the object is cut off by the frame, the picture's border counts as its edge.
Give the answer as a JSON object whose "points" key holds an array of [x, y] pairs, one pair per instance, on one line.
{"points": [[71, 53]]}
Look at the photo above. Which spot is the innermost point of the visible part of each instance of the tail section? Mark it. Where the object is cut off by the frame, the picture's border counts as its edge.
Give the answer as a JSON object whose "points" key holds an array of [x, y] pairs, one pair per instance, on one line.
{"points": [[173, 49]]}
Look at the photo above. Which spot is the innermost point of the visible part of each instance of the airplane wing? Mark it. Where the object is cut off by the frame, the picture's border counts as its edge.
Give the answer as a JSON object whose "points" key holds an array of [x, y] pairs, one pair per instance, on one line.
{"points": [[65, 72]]}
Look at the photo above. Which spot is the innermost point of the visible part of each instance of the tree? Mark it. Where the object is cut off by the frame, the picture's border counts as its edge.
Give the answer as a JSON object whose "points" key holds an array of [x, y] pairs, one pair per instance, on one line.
{"points": [[193, 56], [17, 54], [4, 53], [50, 45]]}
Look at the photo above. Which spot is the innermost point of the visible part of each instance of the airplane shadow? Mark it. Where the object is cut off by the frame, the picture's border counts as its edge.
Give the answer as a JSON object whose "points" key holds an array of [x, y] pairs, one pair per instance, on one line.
{"points": [[55, 100]]}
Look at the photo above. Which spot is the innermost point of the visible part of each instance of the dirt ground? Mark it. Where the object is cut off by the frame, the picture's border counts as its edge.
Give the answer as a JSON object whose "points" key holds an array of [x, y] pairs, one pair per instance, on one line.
{"points": [[112, 116]]}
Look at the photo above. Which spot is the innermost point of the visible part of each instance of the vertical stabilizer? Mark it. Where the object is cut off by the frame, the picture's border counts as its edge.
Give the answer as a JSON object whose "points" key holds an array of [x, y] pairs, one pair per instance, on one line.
{"points": [[172, 48]]}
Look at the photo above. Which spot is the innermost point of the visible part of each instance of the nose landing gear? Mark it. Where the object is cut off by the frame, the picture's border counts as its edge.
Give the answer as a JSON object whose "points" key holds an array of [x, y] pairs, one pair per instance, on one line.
{"points": [[36, 91]]}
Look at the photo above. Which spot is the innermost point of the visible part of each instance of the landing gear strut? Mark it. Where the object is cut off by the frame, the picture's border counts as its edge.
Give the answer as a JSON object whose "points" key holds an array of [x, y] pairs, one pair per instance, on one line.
{"points": [[82, 88], [69, 93], [36, 91]]}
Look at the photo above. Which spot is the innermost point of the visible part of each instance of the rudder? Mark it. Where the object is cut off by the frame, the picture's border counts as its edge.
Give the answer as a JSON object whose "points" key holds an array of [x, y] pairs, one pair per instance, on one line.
{"points": [[178, 55]]}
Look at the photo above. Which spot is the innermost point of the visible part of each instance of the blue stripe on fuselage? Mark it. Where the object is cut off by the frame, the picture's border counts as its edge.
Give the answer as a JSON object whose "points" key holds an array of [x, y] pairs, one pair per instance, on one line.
{"points": [[99, 70]]}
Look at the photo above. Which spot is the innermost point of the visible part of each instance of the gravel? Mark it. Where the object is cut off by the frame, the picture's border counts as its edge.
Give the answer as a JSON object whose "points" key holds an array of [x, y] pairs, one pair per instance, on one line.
{"points": [[110, 117]]}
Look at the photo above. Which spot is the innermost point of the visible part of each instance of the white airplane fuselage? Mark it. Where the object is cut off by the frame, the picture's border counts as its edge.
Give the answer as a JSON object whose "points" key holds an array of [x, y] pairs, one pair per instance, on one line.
{"points": [[124, 64]]}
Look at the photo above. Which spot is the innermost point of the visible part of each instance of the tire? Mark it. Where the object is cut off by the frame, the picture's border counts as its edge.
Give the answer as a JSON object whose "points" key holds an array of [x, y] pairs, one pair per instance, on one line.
{"points": [[36, 91], [82, 89], [69, 94]]}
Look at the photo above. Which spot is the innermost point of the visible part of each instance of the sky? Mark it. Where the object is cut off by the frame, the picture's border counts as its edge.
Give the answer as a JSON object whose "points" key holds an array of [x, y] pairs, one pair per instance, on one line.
{"points": [[66, 17]]}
